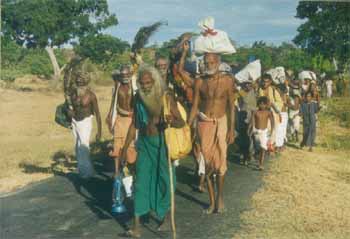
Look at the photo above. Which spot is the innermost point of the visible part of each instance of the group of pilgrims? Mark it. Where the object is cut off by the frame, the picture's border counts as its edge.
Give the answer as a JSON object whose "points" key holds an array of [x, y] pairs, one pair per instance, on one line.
{"points": [[257, 110]]}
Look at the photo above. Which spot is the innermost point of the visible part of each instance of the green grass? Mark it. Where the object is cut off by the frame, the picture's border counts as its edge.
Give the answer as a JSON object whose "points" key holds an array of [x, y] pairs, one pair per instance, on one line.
{"points": [[334, 119]]}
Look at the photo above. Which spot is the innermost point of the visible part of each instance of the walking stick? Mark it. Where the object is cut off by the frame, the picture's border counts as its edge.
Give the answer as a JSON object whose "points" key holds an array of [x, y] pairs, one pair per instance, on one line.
{"points": [[172, 196]]}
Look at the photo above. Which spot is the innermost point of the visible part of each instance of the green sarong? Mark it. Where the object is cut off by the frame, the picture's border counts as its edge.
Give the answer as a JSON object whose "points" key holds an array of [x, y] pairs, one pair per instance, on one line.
{"points": [[152, 184]]}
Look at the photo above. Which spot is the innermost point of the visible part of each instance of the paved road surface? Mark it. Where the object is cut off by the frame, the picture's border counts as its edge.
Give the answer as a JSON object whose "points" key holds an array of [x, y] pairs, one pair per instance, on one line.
{"points": [[64, 207]]}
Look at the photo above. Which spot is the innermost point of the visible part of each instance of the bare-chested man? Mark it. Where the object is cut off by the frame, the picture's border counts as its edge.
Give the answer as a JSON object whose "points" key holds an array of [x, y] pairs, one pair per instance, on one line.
{"points": [[85, 105], [162, 64], [152, 185], [259, 125], [120, 115], [213, 98]]}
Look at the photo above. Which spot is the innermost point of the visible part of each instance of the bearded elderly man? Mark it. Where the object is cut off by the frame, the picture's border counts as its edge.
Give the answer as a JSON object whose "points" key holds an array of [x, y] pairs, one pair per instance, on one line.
{"points": [[214, 98], [84, 106], [152, 186], [162, 64]]}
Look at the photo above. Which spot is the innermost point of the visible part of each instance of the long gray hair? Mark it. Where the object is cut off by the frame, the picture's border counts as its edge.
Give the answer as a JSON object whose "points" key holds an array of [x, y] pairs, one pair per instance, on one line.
{"points": [[152, 100]]}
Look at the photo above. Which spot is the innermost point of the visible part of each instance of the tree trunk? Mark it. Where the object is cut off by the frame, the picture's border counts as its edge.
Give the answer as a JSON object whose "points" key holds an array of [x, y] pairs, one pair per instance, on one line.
{"points": [[56, 67]]}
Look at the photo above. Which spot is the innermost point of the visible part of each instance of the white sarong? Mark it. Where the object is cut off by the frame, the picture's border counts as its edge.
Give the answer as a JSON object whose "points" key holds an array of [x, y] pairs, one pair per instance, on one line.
{"points": [[281, 130], [81, 132], [261, 137]]}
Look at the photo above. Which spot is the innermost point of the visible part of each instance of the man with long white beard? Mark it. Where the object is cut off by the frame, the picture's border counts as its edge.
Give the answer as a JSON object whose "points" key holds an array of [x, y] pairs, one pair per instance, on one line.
{"points": [[214, 99], [152, 186]]}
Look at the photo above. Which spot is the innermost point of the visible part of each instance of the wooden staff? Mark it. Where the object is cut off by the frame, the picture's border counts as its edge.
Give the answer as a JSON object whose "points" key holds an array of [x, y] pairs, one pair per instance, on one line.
{"points": [[172, 196]]}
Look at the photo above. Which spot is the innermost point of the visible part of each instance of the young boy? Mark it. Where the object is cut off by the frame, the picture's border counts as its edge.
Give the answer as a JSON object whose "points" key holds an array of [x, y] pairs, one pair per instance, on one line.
{"points": [[308, 111], [259, 124]]}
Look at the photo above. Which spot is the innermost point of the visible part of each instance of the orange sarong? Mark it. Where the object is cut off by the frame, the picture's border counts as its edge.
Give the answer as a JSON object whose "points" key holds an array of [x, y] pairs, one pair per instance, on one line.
{"points": [[121, 128], [212, 137]]}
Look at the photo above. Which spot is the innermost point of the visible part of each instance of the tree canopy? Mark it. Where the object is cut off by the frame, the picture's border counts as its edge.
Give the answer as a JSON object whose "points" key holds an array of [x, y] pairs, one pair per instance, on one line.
{"points": [[41, 23], [101, 48], [49, 23], [326, 30]]}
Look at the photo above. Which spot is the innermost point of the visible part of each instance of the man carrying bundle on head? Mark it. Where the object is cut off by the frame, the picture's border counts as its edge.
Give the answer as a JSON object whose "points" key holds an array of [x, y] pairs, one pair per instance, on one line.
{"points": [[213, 104]]}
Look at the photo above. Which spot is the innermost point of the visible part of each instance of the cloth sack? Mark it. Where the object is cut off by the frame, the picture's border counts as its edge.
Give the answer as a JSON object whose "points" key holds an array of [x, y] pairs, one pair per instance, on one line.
{"points": [[250, 72], [178, 140], [212, 40], [307, 75], [277, 74], [61, 115]]}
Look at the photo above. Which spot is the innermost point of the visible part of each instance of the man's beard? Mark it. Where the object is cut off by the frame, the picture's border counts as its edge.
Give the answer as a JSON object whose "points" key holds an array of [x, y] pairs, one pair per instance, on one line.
{"points": [[125, 80], [163, 73], [210, 72], [153, 99], [81, 90]]}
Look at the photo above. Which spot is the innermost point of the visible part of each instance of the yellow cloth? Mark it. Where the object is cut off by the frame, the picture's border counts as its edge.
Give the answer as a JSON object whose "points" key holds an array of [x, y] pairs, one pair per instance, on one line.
{"points": [[273, 95]]}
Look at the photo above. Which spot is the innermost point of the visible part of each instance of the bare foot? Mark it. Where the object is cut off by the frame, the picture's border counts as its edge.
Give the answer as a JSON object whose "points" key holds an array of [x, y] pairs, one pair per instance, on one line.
{"points": [[133, 233], [222, 210], [310, 149], [165, 225], [221, 207], [201, 189], [209, 210]]}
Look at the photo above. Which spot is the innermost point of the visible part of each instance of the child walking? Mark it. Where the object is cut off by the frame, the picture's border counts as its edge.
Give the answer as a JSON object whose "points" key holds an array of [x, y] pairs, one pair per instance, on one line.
{"points": [[308, 111], [260, 120]]}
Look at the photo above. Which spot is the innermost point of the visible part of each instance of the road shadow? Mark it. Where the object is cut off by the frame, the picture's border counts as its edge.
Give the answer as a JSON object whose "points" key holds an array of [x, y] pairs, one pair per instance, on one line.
{"points": [[96, 191]]}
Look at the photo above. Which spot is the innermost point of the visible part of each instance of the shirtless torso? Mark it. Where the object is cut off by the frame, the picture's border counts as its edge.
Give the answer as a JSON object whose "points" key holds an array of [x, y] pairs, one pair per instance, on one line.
{"points": [[261, 118], [214, 95], [84, 105], [125, 97]]}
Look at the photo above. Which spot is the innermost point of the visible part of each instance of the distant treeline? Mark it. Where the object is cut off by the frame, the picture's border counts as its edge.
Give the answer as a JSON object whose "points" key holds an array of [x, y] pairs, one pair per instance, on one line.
{"points": [[18, 61]]}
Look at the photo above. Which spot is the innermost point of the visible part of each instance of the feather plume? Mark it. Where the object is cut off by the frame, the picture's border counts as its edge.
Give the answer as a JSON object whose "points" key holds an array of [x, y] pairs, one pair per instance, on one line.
{"points": [[143, 35]]}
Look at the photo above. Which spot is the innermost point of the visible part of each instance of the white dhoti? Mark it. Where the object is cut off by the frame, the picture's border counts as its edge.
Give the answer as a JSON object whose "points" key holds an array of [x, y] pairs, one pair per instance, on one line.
{"points": [[261, 137], [294, 124], [281, 130], [81, 132]]}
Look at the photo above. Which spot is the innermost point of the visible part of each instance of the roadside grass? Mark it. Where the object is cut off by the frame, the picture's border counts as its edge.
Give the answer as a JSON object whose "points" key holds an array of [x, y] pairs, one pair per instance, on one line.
{"points": [[307, 194], [30, 140]]}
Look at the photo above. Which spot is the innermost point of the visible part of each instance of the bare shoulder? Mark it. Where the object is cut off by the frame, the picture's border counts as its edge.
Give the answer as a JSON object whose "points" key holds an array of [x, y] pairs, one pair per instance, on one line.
{"points": [[226, 78], [92, 95]]}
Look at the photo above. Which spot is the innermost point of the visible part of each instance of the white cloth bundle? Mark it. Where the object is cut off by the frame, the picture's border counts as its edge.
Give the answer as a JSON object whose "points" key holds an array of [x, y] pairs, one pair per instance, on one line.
{"points": [[307, 75], [224, 67], [277, 74], [250, 72], [212, 40]]}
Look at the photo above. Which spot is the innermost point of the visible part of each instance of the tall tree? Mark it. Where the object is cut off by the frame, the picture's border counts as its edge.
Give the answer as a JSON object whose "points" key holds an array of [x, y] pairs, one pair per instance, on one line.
{"points": [[326, 30], [50, 23], [101, 48]]}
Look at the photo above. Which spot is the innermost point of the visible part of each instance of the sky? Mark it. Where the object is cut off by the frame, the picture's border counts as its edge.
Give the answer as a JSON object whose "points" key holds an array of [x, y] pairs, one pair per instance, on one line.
{"points": [[245, 21]]}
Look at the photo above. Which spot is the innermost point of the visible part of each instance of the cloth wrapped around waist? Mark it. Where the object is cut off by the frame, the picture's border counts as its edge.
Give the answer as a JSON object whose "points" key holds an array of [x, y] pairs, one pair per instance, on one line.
{"points": [[212, 138]]}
